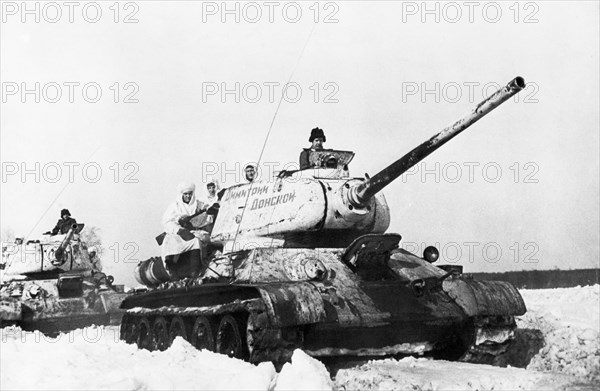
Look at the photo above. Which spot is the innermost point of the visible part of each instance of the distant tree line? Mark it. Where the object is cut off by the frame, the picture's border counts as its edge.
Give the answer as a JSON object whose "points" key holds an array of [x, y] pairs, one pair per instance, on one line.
{"points": [[544, 279]]}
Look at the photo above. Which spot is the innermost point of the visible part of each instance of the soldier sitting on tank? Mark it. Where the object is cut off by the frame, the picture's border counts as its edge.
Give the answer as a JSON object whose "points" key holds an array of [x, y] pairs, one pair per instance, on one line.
{"points": [[94, 259], [317, 138], [206, 220], [211, 189], [184, 246], [97, 274], [64, 224], [212, 201]]}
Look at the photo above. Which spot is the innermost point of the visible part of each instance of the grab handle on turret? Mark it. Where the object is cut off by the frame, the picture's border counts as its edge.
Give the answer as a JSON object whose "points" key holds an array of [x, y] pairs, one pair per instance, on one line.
{"points": [[361, 193]]}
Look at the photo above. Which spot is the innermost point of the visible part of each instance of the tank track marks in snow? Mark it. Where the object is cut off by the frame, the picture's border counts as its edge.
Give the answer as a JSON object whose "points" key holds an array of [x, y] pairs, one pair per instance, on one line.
{"points": [[238, 329]]}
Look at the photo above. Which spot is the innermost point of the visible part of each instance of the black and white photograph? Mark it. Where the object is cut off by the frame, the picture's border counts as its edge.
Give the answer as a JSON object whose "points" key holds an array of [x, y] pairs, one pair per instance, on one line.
{"points": [[300, 195]]}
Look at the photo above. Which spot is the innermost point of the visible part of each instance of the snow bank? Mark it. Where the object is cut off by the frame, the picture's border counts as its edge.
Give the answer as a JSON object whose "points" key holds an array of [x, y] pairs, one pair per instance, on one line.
{"points": [[93, 358], [569, 319], [304, 373]]}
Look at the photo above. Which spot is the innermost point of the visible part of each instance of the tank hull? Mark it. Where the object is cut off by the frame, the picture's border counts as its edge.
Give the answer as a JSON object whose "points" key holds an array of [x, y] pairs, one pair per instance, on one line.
{"points": [[278, 305], [54, 309]]}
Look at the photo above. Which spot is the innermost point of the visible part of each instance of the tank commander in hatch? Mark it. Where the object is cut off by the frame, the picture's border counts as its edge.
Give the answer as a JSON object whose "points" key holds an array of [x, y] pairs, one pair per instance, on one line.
{"points": [[64, 224], [250, 172], [317, 138]]}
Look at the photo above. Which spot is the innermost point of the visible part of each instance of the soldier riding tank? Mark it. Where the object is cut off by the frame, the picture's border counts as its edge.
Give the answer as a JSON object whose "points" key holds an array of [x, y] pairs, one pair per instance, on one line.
{"points": [[306, 263], [52, 285]]}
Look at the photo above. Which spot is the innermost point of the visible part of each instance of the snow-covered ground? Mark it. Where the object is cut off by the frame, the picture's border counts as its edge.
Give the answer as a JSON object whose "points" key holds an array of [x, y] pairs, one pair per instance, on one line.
{"points": [[569, 319], [94, 358]]}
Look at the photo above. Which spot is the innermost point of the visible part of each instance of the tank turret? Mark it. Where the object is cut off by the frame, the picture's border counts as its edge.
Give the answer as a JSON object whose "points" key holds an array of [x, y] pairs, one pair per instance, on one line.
{"points": [[322, 206], [304, 261]]}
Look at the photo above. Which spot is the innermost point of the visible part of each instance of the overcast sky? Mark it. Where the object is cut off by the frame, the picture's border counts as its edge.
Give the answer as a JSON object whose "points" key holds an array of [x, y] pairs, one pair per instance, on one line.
{"points": [[378, 77]]}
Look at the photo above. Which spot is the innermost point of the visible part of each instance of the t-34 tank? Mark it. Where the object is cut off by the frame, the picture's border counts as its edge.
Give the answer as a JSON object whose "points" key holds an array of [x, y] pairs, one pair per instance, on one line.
{"points": [[306, 263], [56, 285]]}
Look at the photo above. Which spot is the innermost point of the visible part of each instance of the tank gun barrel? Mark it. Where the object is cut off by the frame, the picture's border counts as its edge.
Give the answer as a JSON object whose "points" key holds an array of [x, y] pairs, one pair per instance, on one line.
{"points": [[367, 189], [63, 245]]}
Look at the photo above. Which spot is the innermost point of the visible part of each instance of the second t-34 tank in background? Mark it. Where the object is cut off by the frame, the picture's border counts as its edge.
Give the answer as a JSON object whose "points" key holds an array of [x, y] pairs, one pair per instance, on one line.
{"points": [[56, 285], [303, 260]]}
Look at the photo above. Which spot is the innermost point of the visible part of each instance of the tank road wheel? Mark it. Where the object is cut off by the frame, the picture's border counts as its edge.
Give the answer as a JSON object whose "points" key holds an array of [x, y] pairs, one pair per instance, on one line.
{"points": [[229, 338], [128, 329], [202, 334], [177, 329], [160, 333], [144, 334]]}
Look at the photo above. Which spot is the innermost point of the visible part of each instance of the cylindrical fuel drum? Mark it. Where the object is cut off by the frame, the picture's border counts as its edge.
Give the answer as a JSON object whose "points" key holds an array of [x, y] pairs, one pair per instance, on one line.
{"points": [[151, 272]]}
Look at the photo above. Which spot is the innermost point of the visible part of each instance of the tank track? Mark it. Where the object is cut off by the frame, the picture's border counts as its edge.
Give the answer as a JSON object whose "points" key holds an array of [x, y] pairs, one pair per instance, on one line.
{"points": [[488, 340], [239, 329]]}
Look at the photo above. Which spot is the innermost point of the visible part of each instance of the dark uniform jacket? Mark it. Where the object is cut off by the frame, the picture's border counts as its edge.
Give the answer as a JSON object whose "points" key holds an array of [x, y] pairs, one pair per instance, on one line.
{"points": [[63, 226], [304, 161]]}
